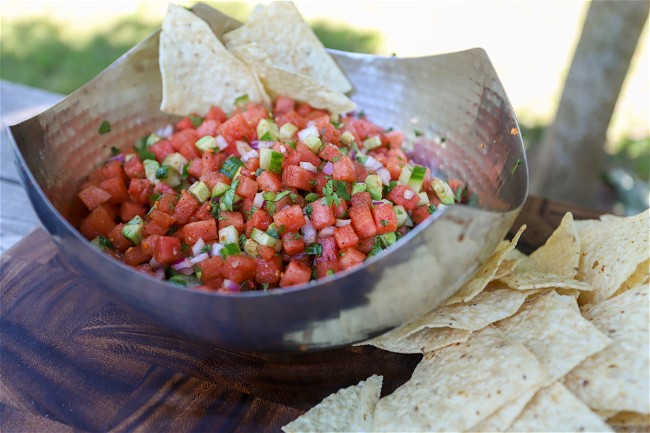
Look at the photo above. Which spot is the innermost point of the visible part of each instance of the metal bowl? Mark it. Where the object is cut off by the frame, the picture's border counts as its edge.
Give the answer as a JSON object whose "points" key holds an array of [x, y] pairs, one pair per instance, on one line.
{"points": [[456, 96]]}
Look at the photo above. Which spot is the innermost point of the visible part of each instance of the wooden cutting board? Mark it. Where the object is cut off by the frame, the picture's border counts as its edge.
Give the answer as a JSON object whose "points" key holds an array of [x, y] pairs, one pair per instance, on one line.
{"points": [[72, 360]]}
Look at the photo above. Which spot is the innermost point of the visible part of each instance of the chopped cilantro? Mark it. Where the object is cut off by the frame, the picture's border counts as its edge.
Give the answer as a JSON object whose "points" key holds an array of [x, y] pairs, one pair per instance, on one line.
{"points": [[196, 121], [142, 150], [114, 150], [228, 198], [162, 172], [282, 228], [154, 197], [361, 114], [388, 188], [214, 207], [309, 210], [104, 242], [293, 197], [272, 231], [431, 209], [383, 223], [314, 249], [173, 229], [270, 207], [241, 100], [330, 272], [105, 127], [205, 249], [517, 164], [388, 130], [418, 133], [184, 172], [311, 197]]}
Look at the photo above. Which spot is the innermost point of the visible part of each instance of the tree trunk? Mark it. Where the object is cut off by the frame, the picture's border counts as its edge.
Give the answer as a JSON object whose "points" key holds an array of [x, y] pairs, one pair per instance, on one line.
{"points": [[570, 160]]}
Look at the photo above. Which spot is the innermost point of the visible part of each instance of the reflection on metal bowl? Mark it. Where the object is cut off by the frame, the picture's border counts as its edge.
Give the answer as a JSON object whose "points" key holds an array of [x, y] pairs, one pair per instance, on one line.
{"points": [[456, 96]]}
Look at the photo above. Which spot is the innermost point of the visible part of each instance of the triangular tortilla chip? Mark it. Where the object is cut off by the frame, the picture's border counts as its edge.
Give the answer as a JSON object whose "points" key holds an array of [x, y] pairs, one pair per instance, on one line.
{"points": [[618, 377], [297, 86], [350, 409], [538, 280], [197, 71], [281, 32]]}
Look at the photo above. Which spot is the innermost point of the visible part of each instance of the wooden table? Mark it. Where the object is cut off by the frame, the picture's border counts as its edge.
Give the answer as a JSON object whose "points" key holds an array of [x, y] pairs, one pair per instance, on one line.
{"points": [[73, 360]]}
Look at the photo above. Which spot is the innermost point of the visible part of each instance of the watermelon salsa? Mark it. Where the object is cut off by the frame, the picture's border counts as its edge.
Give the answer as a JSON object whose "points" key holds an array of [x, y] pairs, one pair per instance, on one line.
{"points": [[259, 200]]}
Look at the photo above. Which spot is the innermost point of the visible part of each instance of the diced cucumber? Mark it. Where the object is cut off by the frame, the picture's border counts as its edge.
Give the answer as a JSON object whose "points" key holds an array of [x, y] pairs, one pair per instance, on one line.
{"points": [[169, 175], [313, 143], [443, 191], [271, 160], [267, 130], [102, 243], [416, 178], [200, 191], [372, 142], [175, 160], [405, 174], [220, 189], [205, 143], [230, 250], [151, 139], [265, 239], [401, 214], [347, 138], [335, 118], [359, 187], [287, 131], [250, 246], [133, 229], [228, 235], [151, 166], [375, 186], [424, 199], [388, 239]]}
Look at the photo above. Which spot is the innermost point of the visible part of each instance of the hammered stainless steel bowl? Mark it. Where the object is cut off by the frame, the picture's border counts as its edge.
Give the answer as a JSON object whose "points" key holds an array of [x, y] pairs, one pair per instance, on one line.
{"points": [[454, 96]]}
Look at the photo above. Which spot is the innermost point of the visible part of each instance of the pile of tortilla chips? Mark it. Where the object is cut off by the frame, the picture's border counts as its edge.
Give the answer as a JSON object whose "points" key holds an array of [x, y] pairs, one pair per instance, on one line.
{"points": [[274, 53], [554, 341]]}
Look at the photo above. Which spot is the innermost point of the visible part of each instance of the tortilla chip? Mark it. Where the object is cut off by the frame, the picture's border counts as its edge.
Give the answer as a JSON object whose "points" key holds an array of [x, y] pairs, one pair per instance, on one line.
{"points": [[454, 388], [349, 409], [537, 280], [281, 32], [486, 272], [506, 267], [555, 332], [611, 251], [629, 422], [197, 71], [555, 409], [641, 276], [440, 327], [618, 377], [560, 255], [500, 420], [297, 86]]}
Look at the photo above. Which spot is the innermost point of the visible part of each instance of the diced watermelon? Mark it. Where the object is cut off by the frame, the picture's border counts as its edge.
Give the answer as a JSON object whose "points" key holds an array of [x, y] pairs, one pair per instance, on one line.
{"points": [[361, 199], [185, 207], [344, 170], [420, 213], [297, 177], [130, 209], [116, 187], [162, 219], [117, 238], [228, 218], [139, 190], [203, 212], [283, 104], [362, 221], [295, 273], [134, 168], [329, 152], [135, 256], [293, 243], [290, 218], [212, 161], [167, 203], [211, 178], [306, 155], [327, 267], [216, 113], [208, 127], [320, 180], [322, 215], [259, 219], [351, 257], [397, 196], [168, 250], [206, 230], [211, 268], [268, 181], [161, 149], [113, 169], [93, 197], [247, 187], [234, 128], [330, 250], [99, 222], [395, 138], [385, 218], [268, 271], [346, 237], [239, 268]]}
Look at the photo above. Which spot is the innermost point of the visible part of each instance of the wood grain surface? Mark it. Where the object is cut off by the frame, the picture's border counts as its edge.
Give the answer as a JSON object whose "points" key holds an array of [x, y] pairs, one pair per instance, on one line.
{"points": [[71, 360]]}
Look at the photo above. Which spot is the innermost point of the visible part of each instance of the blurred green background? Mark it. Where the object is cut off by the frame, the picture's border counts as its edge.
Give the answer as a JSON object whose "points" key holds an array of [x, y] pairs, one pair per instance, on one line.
{"points": [[59, 46]]}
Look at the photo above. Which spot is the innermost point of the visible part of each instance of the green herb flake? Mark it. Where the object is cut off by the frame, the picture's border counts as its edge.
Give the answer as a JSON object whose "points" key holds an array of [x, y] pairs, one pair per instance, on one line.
{"points": [[184, 171], [114, 151], [105, 127], [309, 209], [241, 100], [314, 249], [228, 199], [273, 232], [517, 164], [383, 223], [258, 172], [162, 172], [292, 144], [142, 149], [154, 197], [104, 242], [282, 228], [330, 272], [205, 249], [418, 133], [431, 209], [196, 121]]}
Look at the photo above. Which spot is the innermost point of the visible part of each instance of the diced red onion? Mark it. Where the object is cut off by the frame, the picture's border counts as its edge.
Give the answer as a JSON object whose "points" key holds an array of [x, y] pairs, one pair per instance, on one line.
{"points": [[309, 166], [311, 123], [258, 201], [181, 264], [376, 202], [118, 157], [372, 163], [250, 154], [154, 264], [384, 175], [408, 194], [310, 130], [242, 147], [231, 285], [160, 274], [342, 223], [326, 232], [328, 168], [165, 131], [265, 144], [308, 233], [197, 247], [352, 154], [199, 258], [286, 206], [186, 271], [221, 142], [215, 249]]}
